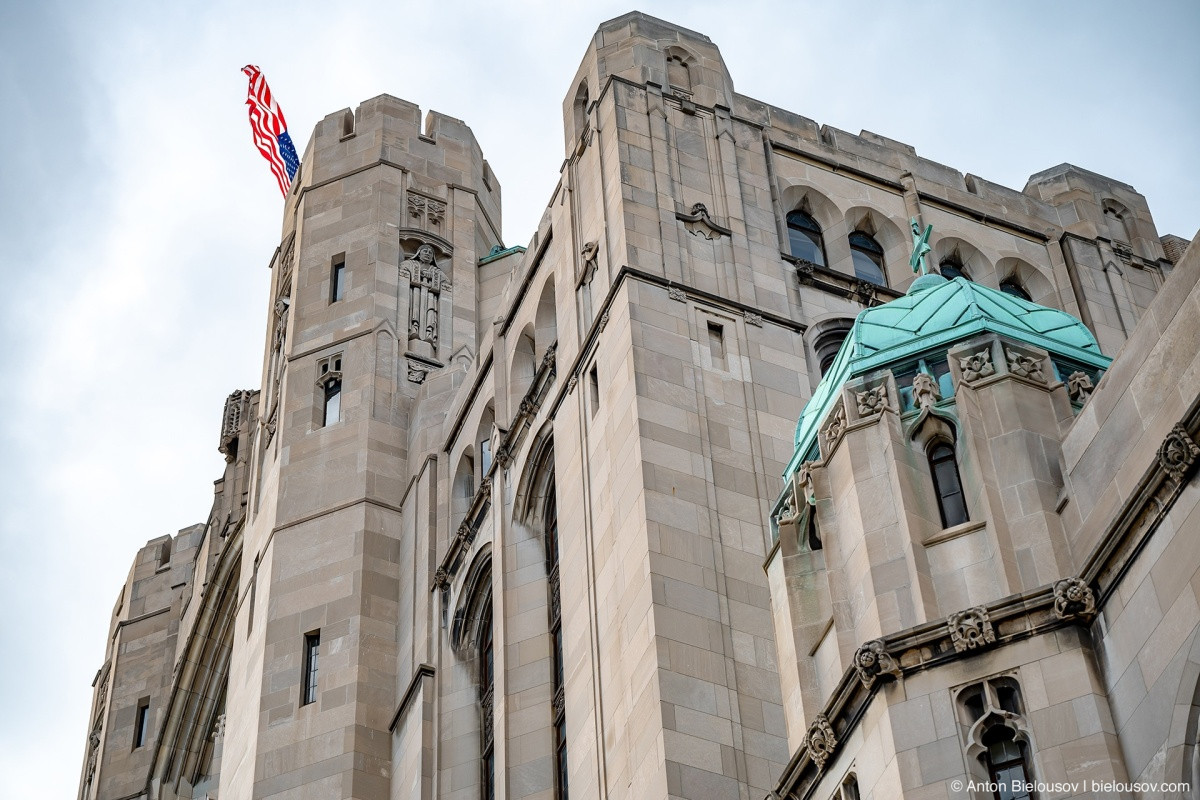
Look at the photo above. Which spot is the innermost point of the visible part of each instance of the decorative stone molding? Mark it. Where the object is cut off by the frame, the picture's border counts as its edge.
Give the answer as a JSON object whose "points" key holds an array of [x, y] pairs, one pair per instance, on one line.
{"points": [[1178, 453], [753, 319], [1023, 366], [603, 320], [675, 293], [1123, 251], [426, 212], [925, 390], [572, 382], [559, 701], [872, 662], [441, 579], [699, 223], [864, 292], [218, 732], [820, 741], [835, 426], [416, 374], [872, 401], [236, 407], [971, 629], [1073, 598], [1079, 386], [805, 270], [977, 365]]}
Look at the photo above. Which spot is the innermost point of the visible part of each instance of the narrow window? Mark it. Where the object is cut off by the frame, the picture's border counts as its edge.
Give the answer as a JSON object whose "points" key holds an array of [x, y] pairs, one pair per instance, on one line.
{"points": [[594, 389], [558, 688], [868, 258], [678, 74], [312, 652], [485, 456], [804, 238], [947, 485], [487, 679], [849, 790], [329, 386], [1006, 763], [333, 400], [337, 279], [814, 531], [1011, 287], [716, 345], [141, 723]]}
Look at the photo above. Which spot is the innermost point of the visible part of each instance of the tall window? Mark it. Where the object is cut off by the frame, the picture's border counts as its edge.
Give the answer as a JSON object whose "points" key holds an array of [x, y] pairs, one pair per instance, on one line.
{"points": [[997, 736], [804, 238], [487, 681], [1015, 289], [868, 258], [1006, 763], [312, 652], [337, 279], [141, 723], [947, 484], [329, 385], [558, 705]]}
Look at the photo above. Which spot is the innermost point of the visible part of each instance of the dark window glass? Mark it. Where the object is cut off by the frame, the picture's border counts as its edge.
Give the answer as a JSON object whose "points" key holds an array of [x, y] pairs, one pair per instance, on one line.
{"points": [[333, 400], [850, 788], [312, 652], [950, 270], [1015, 289], [948, 485], [804, 238], [337, 281], [814, 532], [560, 756], [551, 529], [1006, 763], [487, 679], [141, 727], [868, 258]]}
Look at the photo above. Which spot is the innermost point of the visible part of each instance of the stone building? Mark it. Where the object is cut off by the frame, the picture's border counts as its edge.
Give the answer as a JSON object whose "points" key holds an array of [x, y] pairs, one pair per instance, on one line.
{"points": [[503, 521]]}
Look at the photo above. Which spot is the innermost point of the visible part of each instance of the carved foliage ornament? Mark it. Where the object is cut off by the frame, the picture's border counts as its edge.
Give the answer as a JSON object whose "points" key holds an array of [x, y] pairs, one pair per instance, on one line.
{"points": [[820, 741], [1024, 366], [1073, 598], [1079, 386], [925, 390], [971, 629], [872, 401], [1178, 452], [836, 426], [977, 365], [872, 661]]}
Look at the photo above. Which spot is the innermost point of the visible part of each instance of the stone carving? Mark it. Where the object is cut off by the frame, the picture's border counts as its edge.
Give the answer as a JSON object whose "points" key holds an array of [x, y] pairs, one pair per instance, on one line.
{"points": [[835, 427], [548, 358], [976, 366], [441, 579], [820, 741], [675, 293], [425, 211], [872, 401], [1073, 598], [1079, 386], [272, 424], [805, 270], [971, 629], [699, 223], [426, 283], [590, 252], [503, 457], [1178, 452], [864, 292], [1024, 366], [753, 319], [804, 480], [218, 733], [236, 406], [488, 717], [925, 390], [527, 408], [604, 320], [416, 374], [93, 753], [1123, 251], [571, 383], [287, 260], [872, 661]]}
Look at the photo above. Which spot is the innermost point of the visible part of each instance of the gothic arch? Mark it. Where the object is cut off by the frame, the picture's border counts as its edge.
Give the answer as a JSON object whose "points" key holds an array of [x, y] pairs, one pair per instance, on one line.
{"points": [[819, 207], [545, 320], [679, 63], [469, 610], [537, 478], [523, 367], [967, 256], [889, 233], [1030, 278]]}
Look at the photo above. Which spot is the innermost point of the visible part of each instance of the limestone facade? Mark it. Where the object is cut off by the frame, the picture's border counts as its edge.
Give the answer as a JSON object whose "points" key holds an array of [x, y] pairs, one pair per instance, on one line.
{"points": [[501, 521]]}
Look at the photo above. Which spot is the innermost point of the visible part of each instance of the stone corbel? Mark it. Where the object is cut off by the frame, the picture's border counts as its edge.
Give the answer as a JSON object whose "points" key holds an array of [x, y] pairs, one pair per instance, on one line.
{"points": [[1073, 598], [699, 223], [872, 662], [971, 629]]}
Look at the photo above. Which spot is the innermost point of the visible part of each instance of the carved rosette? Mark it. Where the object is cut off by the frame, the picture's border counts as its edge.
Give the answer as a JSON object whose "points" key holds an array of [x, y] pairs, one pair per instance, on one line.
{"points": [[1079, 386], [1024, 366], [872, 401], [834, 427], [971, 629], [925, 390], [873, 662], [820, 741], [977, 365], [1178, 453], [1073, 598]]}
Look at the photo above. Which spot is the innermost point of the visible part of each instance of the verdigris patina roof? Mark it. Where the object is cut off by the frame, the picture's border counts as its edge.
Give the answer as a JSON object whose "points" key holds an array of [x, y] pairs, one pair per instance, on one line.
{"points": [[937, 314]]}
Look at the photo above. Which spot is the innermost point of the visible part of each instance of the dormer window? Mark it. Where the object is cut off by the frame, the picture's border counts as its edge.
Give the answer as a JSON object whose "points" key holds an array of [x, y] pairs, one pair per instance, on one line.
{"points": [[868, 258], [804, 238]]}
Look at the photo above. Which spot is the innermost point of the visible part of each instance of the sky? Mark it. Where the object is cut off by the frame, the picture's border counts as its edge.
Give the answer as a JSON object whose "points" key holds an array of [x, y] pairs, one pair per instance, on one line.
{"points": [[138, 220]]}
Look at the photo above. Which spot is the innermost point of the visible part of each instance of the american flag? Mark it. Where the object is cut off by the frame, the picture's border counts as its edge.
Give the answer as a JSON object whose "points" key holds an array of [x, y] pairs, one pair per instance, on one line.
{"points": [[270, 130]]}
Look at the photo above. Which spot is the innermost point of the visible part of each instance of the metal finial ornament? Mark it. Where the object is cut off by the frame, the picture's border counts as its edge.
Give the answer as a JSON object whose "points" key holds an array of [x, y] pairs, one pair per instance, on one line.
{"points": [[920, 247]]}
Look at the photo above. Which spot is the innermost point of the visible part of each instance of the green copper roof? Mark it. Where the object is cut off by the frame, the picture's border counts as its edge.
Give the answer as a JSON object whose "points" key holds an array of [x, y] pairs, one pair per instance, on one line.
{"points": [[937, 314]]}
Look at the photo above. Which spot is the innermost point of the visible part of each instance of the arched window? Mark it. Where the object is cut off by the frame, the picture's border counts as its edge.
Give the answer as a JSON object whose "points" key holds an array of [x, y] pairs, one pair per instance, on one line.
{"points": [[1015, 289], [804, 238], [829, 340], [951, 269], [868, 258], [947, 485], [487, 680], [997, 736]]}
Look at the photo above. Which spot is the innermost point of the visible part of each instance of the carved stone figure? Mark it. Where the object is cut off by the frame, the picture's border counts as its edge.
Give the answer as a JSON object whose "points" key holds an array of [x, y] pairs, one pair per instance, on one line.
{"points": [[977, 365], [872, 661], [971, 629], [1079, 386], [820, 741], [426, 282], [589, 252], [925, 390], [1073, 598]]}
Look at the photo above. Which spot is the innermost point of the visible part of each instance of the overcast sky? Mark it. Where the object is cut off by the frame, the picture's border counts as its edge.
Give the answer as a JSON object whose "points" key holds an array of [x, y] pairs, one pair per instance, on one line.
{"points": [[138, 220]]}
